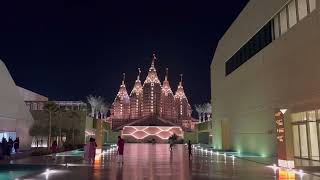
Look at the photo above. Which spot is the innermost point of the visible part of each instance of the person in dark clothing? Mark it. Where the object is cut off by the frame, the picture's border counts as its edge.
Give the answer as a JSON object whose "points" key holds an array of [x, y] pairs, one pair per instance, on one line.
{"points": [[4, 147], [1, 151], [190, 149], [9, 147], [16, 145], [120, 149]]}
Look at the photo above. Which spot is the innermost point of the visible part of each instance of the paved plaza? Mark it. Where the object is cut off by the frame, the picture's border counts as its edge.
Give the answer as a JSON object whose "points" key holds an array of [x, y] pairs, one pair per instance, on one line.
{"points": [[147, 161]]}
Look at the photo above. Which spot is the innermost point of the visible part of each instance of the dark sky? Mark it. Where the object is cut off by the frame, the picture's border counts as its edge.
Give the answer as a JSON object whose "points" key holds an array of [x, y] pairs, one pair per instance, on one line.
{"points": [[69, 49]]}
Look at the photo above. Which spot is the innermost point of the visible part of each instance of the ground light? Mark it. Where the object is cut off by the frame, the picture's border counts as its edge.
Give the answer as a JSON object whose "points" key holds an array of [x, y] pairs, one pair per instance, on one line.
{"points": [[286, 171]]}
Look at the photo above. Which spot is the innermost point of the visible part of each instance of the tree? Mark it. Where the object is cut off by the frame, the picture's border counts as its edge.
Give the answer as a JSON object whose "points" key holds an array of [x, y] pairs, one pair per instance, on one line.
{"points": [[51, 108], [36, 131], [173, 137], [104, 108], [95, 103], [208, 110], [199, 110], [61, 111], [74, 115]]}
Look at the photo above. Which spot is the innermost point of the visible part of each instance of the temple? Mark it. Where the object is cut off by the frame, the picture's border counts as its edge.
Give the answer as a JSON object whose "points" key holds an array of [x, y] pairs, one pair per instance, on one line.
{"points": [[151, 103]]}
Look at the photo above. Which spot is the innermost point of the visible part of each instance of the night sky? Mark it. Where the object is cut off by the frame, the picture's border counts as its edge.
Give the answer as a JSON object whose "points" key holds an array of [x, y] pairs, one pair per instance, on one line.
{"points": [[67, 50]]}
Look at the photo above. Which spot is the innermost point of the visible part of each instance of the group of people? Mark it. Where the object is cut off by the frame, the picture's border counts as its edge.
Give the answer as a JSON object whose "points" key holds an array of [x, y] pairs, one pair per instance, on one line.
{"points": [[90, 150], [6, 147], [91, 146]]}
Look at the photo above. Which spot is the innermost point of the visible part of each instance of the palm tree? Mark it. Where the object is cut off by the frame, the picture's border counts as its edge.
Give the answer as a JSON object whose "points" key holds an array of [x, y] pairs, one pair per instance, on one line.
{"points": [[104, 108], [199, 110], [208, 110], [51, 108], [95, 103]]}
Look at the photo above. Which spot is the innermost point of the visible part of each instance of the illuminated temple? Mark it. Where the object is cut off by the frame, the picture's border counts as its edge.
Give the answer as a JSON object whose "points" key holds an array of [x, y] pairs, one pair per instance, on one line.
{"points": [[151, 104]]}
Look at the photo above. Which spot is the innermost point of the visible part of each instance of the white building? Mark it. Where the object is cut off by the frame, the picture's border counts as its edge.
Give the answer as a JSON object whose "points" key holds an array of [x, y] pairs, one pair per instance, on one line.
{"points": [[15, 118], [267, 61]]}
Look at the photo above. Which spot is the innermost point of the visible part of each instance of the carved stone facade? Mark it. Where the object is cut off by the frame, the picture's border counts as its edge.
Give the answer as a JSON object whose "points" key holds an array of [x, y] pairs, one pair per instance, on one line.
{"points": [[150, 100], [121, 104]]}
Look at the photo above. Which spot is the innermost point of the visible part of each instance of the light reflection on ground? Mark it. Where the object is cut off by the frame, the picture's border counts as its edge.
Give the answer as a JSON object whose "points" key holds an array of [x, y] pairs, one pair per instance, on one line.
{"points": [[147, 161]]}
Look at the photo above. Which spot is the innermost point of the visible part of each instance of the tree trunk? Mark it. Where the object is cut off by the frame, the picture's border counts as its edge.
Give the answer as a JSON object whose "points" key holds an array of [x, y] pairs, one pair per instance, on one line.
{"points": [[72, 132], [49, 136], [92, 112], [60, 129]]}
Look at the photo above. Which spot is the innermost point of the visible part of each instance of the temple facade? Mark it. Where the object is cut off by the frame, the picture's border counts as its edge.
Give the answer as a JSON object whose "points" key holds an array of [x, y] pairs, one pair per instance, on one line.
{"points": [[151, 102]]}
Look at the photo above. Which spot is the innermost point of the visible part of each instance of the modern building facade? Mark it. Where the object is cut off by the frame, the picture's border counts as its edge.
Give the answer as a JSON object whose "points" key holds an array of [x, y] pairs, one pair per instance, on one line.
{"points": [[15, 118], [265, 87]]}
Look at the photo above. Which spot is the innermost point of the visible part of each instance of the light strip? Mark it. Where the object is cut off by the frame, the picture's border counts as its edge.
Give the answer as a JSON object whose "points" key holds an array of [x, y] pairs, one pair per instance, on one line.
{"points": [[144, 128]]}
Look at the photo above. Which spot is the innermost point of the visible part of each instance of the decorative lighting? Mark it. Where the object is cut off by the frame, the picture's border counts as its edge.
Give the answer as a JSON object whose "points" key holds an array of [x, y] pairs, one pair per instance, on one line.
{"points": [[141, 132], [283, 111]]}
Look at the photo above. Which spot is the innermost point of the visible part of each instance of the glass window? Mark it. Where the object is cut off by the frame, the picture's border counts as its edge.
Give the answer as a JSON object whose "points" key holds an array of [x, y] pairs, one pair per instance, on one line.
{"points": [[283, 21], [276, 27], [311, 115], [302, 8], [313, 140], [292, 13], [296, 140], [304, 141], [318, 114], [301, 116], [312, 5]]}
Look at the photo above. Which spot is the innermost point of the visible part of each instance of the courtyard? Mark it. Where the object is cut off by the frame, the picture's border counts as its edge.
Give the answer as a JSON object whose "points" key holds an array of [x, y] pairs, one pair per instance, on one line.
{"points": [[148, 161]]}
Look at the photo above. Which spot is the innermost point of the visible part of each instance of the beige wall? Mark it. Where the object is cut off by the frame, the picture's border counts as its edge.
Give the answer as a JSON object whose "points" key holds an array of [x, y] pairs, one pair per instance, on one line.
{"points": [[282, 75], [14, 115]]}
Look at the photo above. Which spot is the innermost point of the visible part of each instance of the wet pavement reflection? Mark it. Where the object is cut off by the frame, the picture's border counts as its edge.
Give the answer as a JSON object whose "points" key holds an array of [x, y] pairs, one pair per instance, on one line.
{"points": [[157, 162]]}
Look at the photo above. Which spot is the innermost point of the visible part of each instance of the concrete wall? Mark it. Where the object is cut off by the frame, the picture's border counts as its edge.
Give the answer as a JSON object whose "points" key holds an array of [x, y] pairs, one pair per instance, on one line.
{"points": [[282, 75], [14, 115]]}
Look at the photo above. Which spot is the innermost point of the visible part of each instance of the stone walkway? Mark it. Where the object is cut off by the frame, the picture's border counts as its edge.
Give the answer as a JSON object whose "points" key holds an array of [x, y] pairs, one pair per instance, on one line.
{"points": [[147, 161]]}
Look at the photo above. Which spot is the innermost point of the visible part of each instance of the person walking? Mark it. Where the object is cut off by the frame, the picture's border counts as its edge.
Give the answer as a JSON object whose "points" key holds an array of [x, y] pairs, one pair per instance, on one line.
{"points": [[54, 149], [120, 149], [16, 145], [92, 150], [171, 144], [190, 149]]}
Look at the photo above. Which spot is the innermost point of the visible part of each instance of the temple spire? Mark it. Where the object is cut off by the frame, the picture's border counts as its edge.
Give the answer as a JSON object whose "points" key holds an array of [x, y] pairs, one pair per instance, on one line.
{"points": [[181, 76], [124, 78], [138, 78], [167, 72], [154, 58]]}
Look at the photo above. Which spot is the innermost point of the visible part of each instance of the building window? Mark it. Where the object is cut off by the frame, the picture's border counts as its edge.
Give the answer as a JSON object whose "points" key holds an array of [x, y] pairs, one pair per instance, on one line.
{"points": [[304, 141], [279, 25], [305, 126], [312, 5], [302, 8], [296, 140], [283, 21], [276, 27], [292, 12], [313, 141], [252, 47]]}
